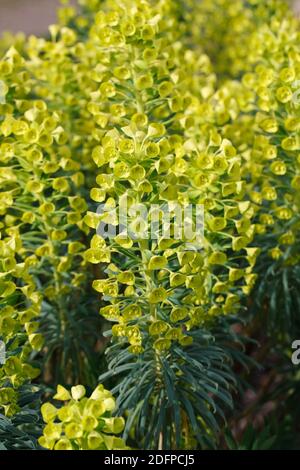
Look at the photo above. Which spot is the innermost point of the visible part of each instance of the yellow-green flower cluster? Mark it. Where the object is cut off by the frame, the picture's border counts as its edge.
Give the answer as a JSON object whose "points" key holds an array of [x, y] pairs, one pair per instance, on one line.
{"points": [[40, 219], [62, 71], [274, 162], [235, 32], [7, 40], [263, 123], [171, 107], [274, 167], [158, 148], [82, 423]]}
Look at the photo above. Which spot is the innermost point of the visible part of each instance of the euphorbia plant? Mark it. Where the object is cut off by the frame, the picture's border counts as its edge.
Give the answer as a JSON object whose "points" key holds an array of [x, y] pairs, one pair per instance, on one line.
{"points": [[263, 123], [156, 150], [124, 93], [41, 228]]}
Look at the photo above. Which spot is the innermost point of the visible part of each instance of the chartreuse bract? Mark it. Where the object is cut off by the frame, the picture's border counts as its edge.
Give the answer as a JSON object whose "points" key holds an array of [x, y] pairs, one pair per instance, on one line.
{"points": [[157, 151], [42, 233], [262, 120], [234, 32], [274, 168], [82, 423], [178, 121]]}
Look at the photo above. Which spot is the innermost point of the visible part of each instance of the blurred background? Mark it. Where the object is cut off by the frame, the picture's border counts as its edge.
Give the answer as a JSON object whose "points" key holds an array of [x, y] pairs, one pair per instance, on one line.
{"points": [[34, 16], [28, 16]]}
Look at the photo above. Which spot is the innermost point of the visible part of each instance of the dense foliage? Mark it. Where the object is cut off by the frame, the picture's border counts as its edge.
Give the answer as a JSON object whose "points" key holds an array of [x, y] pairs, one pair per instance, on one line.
{"points": [[156, 105]]}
